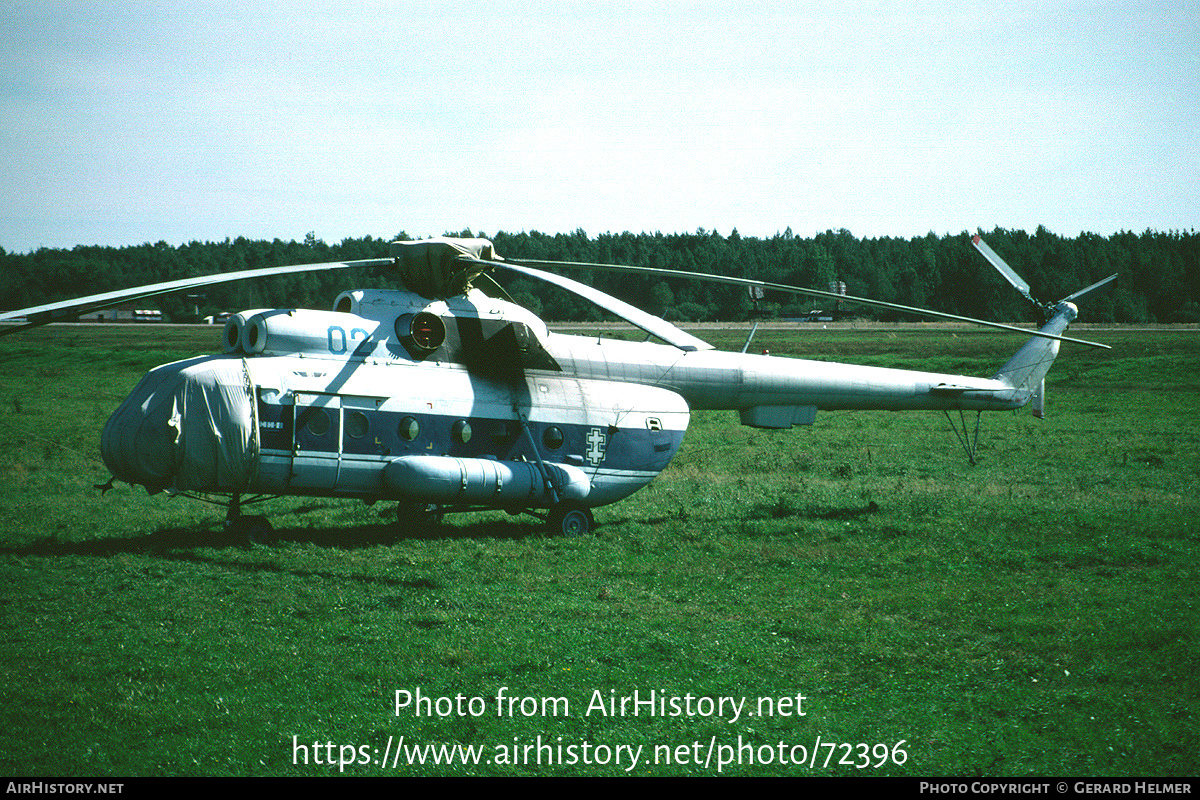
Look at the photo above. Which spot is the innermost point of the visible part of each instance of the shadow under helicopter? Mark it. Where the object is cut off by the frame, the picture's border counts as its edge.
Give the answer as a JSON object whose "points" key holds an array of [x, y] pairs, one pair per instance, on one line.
{"points": [[189, 543], [186, 543]]}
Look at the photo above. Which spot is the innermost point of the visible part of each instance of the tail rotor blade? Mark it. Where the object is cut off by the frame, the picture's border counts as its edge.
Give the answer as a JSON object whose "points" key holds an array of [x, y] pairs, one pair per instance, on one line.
{"points": [[1095, 287], [1004, 269]]}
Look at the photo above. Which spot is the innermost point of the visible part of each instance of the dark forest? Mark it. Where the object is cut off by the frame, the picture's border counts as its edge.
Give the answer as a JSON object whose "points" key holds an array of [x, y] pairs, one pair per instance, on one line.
{"points": [[1159, 272]]}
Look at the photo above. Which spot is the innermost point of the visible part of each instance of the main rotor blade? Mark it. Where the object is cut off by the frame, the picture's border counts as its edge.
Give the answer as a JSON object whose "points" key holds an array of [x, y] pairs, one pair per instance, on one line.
{"points": [[68, 309], [782, 287], [648, 322]]}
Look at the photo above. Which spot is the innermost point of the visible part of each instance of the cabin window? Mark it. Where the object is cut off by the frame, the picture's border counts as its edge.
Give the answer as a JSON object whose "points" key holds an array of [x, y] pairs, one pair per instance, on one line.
{"points": [[357, 425], [552, 437], [317, 421], [461, 431], [409, 429]]}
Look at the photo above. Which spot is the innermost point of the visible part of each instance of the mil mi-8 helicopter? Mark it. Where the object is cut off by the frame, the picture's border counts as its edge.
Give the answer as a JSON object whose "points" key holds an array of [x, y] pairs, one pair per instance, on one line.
{"points": [[444, 397]]}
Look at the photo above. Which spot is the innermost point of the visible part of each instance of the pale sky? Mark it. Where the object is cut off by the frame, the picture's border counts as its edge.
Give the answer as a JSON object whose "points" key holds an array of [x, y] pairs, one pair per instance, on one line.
{"points": [[128, 122]]}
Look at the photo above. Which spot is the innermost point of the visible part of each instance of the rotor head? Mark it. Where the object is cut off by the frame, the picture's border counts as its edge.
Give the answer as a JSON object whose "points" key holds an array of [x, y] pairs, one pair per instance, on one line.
{"points": [[442, 267]]}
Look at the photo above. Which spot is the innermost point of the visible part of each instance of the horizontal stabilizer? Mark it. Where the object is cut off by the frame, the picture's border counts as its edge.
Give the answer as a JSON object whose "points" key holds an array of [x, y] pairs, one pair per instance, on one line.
{"points": [[947, 389]]}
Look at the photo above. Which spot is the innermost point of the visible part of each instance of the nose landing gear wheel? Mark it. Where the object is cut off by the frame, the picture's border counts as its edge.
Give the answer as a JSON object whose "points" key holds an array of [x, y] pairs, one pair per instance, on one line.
{"points": [[258, 530], [567, 519], [253, 529]]}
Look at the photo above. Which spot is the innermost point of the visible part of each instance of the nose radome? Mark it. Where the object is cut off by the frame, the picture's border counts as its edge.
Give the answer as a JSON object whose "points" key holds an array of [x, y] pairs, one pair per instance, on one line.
{"points": [[188, 426]]}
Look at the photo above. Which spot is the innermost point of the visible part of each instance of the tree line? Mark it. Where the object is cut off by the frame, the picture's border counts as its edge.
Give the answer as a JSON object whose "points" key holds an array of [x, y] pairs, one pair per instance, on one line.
{"points": [[1159, 283]]}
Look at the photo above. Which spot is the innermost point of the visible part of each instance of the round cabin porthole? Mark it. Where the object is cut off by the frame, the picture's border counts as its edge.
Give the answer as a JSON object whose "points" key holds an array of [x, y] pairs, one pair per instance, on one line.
{"points": [[316, 421], [552, 437], [357, 425], [461, 431], [409, 429]]}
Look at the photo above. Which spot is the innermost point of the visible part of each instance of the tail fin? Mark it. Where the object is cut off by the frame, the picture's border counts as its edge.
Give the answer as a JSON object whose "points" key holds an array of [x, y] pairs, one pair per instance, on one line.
{"points": [[1026, 370]]}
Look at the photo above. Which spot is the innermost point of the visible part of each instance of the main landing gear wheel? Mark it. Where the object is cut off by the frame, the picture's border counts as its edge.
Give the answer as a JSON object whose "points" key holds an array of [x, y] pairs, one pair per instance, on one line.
{"points": [[571, 520]]}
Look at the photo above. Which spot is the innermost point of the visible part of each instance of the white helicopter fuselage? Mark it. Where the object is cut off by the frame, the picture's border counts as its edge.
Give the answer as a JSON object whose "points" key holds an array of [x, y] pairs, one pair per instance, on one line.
{"points": [[486, 408]]}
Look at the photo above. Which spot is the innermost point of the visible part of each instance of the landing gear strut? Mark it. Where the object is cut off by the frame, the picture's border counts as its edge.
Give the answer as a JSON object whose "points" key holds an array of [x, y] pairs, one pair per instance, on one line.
{"points": [[970, 443]]}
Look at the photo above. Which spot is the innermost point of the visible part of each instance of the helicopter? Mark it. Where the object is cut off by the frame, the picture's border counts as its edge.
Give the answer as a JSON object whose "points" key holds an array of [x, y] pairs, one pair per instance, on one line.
{"points": [[444, 397]]}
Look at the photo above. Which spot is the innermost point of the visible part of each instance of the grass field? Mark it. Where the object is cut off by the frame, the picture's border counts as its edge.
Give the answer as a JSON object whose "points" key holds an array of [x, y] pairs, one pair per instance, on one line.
{"points": [[1035, 614]]}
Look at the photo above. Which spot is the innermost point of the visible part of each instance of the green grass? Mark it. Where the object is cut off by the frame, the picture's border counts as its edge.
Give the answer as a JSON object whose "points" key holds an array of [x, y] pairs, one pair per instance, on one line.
{"points": [[1033, 615]]}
